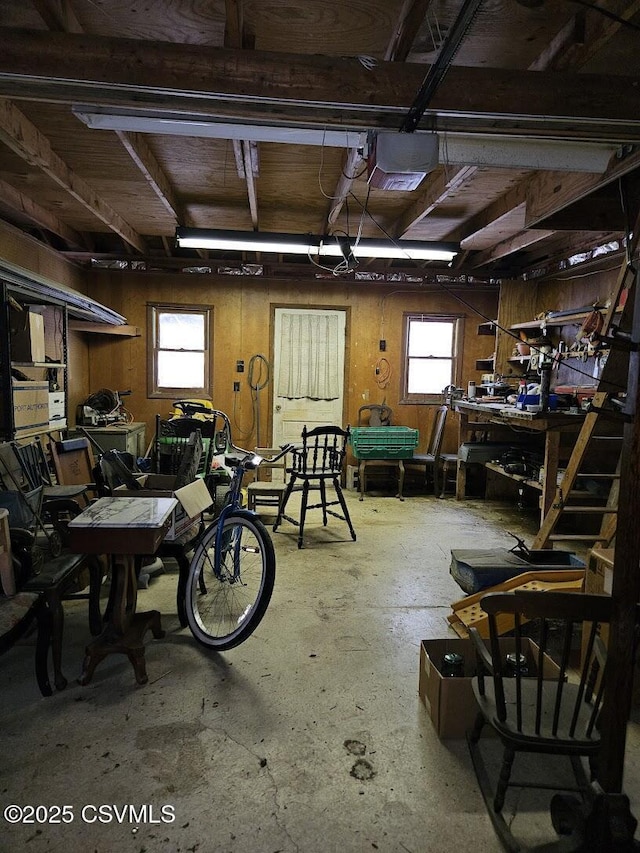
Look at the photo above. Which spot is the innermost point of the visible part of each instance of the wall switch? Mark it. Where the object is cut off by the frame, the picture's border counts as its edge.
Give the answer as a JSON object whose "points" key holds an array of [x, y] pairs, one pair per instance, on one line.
{"points": [[236, 386], [240, 367], [383, 346]]}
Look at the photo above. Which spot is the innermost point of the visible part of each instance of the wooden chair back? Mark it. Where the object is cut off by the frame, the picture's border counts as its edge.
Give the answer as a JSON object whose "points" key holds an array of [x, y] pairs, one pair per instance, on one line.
{"points": [[534, 705], [73, 461]]}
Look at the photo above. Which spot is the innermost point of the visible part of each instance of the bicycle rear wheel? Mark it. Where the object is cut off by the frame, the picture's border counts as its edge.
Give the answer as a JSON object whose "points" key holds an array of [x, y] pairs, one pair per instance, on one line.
{"points": [[223, 611]]}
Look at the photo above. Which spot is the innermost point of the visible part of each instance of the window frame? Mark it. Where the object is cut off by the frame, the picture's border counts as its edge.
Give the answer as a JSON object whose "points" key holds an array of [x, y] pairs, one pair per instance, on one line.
{"points": [[457, 322], [154, 391]]}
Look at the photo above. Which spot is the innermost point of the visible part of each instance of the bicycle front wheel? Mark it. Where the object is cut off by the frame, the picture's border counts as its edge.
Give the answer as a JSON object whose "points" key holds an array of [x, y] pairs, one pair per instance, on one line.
{"points": [[225, 608]]}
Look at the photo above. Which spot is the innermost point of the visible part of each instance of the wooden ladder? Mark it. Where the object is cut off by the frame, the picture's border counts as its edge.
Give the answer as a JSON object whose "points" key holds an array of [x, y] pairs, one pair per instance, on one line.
{"points": [[602, 428]]}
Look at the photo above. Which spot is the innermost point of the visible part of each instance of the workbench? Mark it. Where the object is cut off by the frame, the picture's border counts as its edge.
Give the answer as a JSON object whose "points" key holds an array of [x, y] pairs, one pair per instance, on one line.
{"points": [[497, 419]]}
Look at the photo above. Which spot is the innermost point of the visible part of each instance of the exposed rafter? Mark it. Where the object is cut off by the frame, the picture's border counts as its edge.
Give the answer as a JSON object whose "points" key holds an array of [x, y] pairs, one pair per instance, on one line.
{"points": [[25, 140], [27, 207]]}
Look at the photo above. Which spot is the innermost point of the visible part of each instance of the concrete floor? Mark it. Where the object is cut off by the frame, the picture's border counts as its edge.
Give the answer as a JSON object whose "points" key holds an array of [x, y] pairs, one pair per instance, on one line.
{"points": [[309, 737]]}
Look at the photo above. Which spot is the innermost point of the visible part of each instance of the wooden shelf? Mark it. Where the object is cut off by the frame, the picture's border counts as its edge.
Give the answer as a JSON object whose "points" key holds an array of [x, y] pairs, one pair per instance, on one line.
{"points": [[526, 481], [46, 364], [104, 329], [488, 328], [482, 363], [564, 320]]}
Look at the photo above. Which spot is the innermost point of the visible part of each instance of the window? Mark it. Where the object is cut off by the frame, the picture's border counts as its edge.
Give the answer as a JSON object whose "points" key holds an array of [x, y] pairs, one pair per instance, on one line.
{"points": [[430, 364], [179, 351]]}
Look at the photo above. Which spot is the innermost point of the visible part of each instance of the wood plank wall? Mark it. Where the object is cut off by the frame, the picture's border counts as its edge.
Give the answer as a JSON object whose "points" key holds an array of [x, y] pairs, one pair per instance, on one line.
{"points": [[243, 310]]}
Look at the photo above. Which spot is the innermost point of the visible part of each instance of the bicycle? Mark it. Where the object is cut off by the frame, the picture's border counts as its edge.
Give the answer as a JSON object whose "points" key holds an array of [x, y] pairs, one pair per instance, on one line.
{"points": [[233, 568]]}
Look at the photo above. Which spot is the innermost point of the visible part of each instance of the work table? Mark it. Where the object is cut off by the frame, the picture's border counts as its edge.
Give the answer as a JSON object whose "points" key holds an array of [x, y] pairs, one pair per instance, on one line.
{"points": [[476, 416]]}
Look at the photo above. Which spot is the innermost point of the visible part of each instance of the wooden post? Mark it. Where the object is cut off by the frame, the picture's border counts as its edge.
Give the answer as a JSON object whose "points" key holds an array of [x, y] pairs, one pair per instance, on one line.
{"points": [[626, 583]]}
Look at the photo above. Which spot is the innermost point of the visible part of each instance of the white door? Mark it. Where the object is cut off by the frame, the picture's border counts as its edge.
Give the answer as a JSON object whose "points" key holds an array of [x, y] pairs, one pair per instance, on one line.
{"points": [[292, 408]]}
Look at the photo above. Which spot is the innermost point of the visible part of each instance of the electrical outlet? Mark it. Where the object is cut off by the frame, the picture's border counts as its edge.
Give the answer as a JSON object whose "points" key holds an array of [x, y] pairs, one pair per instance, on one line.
{"points": [[240, 367], [236, 386], [383, 346]]}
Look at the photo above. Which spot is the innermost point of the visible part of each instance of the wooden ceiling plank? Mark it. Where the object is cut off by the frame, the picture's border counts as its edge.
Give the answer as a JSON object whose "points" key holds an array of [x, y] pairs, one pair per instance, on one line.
{"points": [[25, 140], [138, 149], [21, 203], [71, 67]]}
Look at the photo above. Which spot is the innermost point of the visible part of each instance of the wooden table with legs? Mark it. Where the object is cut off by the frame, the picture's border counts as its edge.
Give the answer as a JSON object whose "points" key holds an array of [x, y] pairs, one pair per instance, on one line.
{"points": [[122, 528]]}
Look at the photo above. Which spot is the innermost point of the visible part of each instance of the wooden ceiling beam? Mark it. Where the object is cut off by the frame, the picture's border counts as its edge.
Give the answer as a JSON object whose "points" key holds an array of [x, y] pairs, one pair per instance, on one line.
{"points": [[597, 29], [507, 247], [138, 149], [71, 68], [407, 27], [27, 207], [58, 15], [550, 192], [25, 140], [236, 35], [352, 165], [434, 190], [404, 33]]}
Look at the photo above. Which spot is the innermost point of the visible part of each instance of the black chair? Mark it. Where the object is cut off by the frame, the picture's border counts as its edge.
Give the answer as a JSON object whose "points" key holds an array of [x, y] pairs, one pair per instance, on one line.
{"points": [[17, 614], [38, 532], [541, 704], [434, 460], [315, 464]]}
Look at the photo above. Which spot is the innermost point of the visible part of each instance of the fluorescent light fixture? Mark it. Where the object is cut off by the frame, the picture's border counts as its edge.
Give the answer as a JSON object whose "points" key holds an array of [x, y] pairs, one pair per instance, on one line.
{"points": [[138, 122], [474, 149], [304, 244]]}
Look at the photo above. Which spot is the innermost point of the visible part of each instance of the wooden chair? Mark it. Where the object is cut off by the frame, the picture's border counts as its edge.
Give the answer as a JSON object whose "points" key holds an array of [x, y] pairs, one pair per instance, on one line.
{"points": [[270, 483], [316, 463], [375, 415], [434, 460], [539, 711], [73, 462]]}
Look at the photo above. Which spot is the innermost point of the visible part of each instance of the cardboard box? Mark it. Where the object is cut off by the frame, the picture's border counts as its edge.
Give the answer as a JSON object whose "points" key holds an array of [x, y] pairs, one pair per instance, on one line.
{"points": [[30, 406], [192, 499], [451, 702], [27, 336]]}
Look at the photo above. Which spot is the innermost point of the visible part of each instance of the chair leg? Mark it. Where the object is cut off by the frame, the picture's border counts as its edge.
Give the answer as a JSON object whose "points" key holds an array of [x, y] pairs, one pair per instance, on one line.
{"points": [[503, 781], [436, 479], [43, 642], [54, 604], [283, 503], [361, 476], [303, 511], [343, 504], [323, 501]]}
